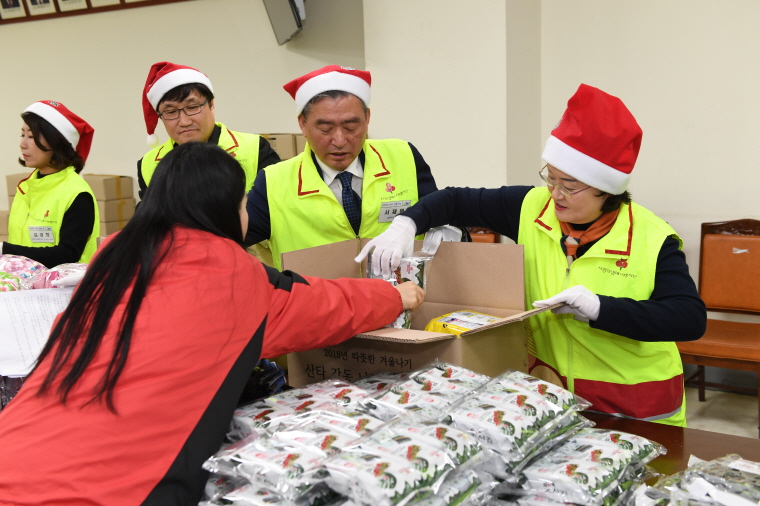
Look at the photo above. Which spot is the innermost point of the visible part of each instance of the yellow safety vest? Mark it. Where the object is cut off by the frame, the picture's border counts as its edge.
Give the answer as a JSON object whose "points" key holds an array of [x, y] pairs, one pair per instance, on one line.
{"points": [[305, 213], [244, 147], [42, 202], [619, 375]]}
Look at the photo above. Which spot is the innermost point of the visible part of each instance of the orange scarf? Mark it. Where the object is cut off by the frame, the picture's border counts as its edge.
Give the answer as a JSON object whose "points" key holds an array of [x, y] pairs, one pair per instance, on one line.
{"points": [[598, 229]]}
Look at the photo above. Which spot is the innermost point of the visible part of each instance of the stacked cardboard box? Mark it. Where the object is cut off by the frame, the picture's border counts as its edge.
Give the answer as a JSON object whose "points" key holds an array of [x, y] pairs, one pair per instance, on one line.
{"points": [[116, 203], [11, 182], [286, 145], [3, 225]]}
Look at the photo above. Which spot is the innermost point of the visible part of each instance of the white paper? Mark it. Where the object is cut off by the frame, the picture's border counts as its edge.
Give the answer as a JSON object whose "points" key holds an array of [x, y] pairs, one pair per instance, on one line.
{"points": [[26, 318]]}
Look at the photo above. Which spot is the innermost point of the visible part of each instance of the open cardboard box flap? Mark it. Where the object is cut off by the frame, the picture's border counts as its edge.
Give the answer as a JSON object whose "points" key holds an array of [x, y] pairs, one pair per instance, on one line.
{"points": [[482, 277]]}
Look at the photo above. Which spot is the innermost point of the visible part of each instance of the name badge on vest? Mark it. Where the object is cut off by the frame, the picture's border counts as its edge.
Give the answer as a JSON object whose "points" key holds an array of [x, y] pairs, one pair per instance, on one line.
{"points": [[389, 210], [41, 234]]}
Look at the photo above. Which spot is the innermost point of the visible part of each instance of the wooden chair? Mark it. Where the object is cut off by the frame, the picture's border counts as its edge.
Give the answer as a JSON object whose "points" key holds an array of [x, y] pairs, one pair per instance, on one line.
{"points": [[480, 234], [729, 282]]}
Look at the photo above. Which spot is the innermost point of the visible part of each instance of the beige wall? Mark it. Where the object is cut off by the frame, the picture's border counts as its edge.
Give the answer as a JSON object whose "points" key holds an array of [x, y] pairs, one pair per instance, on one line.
{"points": [[97, 64], [475, 85]]}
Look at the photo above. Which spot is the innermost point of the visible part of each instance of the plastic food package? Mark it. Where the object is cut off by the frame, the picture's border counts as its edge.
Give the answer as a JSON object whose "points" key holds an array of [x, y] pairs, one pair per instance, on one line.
{"points": [[459, 322], [726, 479], [64, 275], [9, 282], [590, 467], [23, 268], [411, 268], [427, 392], [551, 392]]}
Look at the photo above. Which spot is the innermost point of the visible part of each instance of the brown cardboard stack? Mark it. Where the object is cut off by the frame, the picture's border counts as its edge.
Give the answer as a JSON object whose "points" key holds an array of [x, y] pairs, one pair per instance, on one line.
{"points": [[3, 225], [286, 145], [11, 182], [481, 277], [116, 204]]}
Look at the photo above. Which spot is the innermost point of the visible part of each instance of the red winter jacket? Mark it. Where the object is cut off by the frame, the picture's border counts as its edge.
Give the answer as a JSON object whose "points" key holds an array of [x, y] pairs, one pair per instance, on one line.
{"points": [[211, 311]]}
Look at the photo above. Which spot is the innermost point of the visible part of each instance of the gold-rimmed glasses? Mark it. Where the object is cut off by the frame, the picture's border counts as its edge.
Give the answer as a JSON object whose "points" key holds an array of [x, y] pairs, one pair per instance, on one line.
{"points": [[551, 183]]}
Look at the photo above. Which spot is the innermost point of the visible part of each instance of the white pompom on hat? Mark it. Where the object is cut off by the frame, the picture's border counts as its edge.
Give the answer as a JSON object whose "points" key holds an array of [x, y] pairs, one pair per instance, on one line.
{"points": [[596, 141], [163, 77], [332, 77], [76, 130]]}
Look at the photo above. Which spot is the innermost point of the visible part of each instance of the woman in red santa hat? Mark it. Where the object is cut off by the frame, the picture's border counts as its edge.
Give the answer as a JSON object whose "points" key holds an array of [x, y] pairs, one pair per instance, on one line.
{"points": [[618, 268], [54, 217]]}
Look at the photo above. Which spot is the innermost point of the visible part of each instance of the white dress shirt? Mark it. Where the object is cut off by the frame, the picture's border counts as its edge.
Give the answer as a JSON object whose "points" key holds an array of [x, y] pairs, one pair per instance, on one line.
{"points": [[331, 180]]}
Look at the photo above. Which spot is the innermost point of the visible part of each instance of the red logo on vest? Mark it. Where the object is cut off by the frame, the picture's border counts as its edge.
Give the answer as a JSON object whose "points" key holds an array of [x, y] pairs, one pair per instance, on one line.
{"points": [[622, 263], [389, 188], [47, 213]]}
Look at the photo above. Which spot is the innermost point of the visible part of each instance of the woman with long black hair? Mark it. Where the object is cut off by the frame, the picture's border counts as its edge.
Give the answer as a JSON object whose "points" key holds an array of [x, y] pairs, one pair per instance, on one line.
{"points": [[54, 216], [139, 379]]}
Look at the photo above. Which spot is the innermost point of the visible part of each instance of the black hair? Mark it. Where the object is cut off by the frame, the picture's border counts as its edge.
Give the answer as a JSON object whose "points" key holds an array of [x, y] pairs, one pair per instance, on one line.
{"points": [[329, 94], [614, 202], [64, 155], [181, 92], [196, 185]]}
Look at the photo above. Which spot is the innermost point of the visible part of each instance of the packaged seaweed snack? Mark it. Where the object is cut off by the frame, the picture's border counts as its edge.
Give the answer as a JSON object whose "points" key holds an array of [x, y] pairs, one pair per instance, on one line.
{"points": [[552, 393], [374, 477], [728, 478], [451, 374], [590, 467], [411, 268], [459, 322]]}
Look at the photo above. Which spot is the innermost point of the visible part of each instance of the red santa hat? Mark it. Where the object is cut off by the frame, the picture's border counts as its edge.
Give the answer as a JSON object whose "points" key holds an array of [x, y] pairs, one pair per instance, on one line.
{"points": [[332, 77], [73, 128], [596, 141], [163, 77]]}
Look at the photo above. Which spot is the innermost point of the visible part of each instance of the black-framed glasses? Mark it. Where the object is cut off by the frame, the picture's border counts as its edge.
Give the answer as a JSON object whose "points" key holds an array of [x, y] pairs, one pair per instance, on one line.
{"points": [[551, 183], [189, 110]]}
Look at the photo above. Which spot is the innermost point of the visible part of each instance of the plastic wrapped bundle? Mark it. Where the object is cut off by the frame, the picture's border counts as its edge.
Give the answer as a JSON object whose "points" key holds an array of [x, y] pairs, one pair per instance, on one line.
{"points": [[593, 467], [411, 268], [64, 275], [25, 269]]}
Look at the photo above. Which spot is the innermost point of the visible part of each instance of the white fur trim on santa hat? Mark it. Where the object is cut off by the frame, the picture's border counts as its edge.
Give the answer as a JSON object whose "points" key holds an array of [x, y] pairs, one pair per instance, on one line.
{"points": [[584, 168], [331, 81], [58, 120], [174, 79]]}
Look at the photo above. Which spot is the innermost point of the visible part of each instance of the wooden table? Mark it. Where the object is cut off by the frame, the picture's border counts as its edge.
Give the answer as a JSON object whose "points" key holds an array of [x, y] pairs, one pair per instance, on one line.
{"points": [[681, 443]]}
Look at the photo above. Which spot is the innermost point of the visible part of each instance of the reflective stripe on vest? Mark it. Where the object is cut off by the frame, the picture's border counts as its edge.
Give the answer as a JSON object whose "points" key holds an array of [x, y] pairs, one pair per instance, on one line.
{"points": [[618, 375], [305, 213], [43, 202], [244, 147]]}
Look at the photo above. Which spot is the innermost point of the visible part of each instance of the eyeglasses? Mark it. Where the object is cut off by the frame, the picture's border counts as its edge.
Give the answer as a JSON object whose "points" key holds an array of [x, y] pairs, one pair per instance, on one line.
{"points": [[189, 110], [549, 180]]}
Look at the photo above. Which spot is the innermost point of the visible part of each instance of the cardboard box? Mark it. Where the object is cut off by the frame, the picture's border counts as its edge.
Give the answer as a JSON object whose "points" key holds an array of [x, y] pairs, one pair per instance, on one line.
{"points": [[482, 277], [4, 223], [109, 227], [283, 144], [12, 181], [106, 187], [116, 210], [300, 143]]}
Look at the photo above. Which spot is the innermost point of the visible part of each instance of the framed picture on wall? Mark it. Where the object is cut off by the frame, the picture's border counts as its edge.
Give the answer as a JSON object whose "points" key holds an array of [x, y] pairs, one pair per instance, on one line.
{"points": [[10, 9], [37, 7], [72, 5], [104, 3]]}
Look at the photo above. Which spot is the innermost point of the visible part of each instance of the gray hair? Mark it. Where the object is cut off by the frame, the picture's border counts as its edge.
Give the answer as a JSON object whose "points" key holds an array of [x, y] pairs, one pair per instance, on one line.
{"points": [[329, 94]]}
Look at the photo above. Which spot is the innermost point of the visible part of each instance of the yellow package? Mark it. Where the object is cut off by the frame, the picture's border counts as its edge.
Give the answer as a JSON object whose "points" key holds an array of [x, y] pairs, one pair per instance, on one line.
{"points": [[459, 321]]}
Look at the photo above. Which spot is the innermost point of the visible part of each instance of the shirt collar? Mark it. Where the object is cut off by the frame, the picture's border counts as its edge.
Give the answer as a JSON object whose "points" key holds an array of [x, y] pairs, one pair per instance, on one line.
{"points": [[329, 174]]}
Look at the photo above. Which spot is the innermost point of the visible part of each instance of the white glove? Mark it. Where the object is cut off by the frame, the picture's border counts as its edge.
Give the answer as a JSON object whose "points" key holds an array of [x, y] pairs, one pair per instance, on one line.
{"points": [[579, 300], [435, 236], [397, 241], [71, 279]]}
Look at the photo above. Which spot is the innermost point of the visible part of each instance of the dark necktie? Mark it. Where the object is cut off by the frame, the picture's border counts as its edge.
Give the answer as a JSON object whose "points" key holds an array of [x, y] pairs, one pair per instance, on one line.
{"points": [[352, 203]]}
